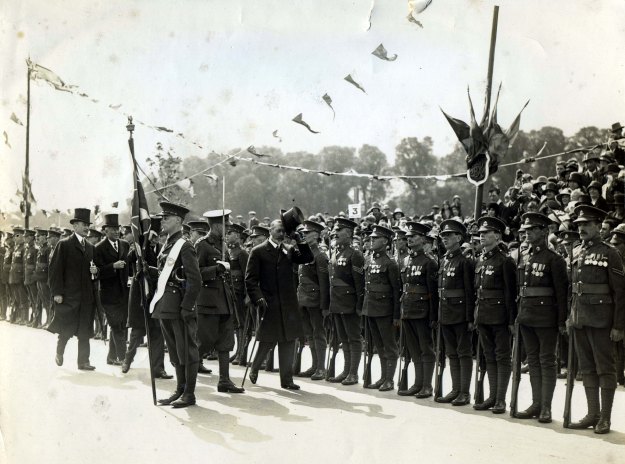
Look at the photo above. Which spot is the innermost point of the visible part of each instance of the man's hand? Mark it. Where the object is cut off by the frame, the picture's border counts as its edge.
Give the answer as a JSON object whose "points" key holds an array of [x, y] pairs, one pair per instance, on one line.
{"points": [[396, 322], [224, 264], [261, 303], [470, 327], [186, 314], [119, 264], [58, 299], [616, 335], [93, 269], [562, 329], [511, 328]]}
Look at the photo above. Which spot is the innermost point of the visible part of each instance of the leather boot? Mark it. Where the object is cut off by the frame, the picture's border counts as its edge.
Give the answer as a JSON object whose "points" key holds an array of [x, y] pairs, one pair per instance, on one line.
{"points": [[188, 395], [225, 385], [592, 418], [389, 383], [320, 372], [466, 373], [530, 413], [607, 399], [418, 381], [426, 390], [354, 363], [309, 372], [234, 359], [454, 370], [180, 381], [491, 373], [203, 369], [378, 384], [346, 366]]}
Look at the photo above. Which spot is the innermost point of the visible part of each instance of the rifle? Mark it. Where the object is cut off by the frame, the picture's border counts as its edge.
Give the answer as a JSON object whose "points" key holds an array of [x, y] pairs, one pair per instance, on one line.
{"points": [[366, 376], [439, 361], [570, 378], [402, 383], [331, 359], [558, 354], [480, 373], [516, 370]]}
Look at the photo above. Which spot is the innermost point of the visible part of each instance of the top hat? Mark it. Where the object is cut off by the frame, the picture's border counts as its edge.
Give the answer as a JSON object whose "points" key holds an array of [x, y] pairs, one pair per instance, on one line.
{"points": [[452, 226], [487, 224], [172, 209], [217, 216], [291, 219], [81, 214], [111, 220]]}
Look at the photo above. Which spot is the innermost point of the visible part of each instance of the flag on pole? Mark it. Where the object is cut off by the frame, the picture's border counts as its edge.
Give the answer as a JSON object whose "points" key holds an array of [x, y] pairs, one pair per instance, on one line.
{"points": [[39, 72], [140, 221]]}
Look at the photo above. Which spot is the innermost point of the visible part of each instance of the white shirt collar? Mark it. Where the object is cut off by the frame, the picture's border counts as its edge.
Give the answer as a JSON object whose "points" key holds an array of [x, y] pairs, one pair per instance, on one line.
{"points": [[80, 238], [275, 245], [114, 243]]}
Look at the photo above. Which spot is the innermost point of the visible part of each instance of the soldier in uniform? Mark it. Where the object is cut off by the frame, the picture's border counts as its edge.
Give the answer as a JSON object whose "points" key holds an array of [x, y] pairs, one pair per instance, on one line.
{"points": [[111, 255], [457, 305], [179, 283], [54, 235], [71, 279], [419, 303], [16, 279], [41, 277], [597, 316], [30, 284], [215, 303], [542, 310], [313, 295], [381, 305], [237, 257], [4, 294], [347, 289], [495, 284]]}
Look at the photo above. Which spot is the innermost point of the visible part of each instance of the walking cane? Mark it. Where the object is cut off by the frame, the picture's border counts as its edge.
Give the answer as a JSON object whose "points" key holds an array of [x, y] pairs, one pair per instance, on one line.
{"points": [[260, 318]]}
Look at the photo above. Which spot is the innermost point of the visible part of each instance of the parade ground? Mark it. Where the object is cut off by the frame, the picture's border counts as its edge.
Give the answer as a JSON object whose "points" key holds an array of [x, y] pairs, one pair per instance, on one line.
{"points": [[51, 414]]}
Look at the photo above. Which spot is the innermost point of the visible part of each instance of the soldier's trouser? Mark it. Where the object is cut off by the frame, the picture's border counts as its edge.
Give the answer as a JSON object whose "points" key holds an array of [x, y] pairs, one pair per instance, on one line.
{"points": [[495, 340], [4, 300], [215, 332], [83, 348], [31, 289], [459, 349], [383, 336], [117, 343], [315, 333], [21, 301], [285, 358], [418, 339], [157, 346], [595, 351], [540, 346], [45, 298], [174, 335], [348, 331]]}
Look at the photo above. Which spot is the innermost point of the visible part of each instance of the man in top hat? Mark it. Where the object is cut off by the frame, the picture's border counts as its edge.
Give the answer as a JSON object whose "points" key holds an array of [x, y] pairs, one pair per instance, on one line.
{"points": [[597, 316], [41, 276], [237, 257], [173, 303], [495, 284], [456, 311], [271, 286], [216, 304], [347, 289], [419, 305], [111, 255], [381, 305], [542, 312], [72, 274], [16, 279], [313, 295], [30, 283]]}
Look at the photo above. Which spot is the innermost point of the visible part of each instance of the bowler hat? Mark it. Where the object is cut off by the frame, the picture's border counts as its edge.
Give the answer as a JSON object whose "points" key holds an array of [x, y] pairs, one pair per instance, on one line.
{"points": [[81, 214]]}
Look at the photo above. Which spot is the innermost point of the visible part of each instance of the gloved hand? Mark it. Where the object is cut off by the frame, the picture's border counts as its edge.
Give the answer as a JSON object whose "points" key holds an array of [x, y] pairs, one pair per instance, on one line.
{"points": [[224, 266], [187, 315]]}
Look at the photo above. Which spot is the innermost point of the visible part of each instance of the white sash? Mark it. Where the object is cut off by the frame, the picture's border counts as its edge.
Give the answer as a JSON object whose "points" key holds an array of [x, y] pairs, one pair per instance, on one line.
{"points": [[166, 272]]}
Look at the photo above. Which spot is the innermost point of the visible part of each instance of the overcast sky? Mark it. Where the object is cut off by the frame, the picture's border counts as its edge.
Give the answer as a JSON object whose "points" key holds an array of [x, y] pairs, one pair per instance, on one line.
{"points": [[229, 73]]}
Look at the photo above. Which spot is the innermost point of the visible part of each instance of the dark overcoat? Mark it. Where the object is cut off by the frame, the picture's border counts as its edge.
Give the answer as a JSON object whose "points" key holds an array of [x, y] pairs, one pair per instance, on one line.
{"points": [[269, 275], [69, 277], [113, 282], [136, 318]]}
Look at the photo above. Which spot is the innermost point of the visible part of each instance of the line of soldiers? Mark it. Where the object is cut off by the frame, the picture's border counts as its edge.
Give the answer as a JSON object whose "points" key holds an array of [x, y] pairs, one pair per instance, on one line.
{"points": [[204, 290]]}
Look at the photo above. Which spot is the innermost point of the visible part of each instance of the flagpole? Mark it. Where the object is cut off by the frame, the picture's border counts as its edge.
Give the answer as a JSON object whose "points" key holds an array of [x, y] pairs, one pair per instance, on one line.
{"points": [[479, 191], [26, 186]]}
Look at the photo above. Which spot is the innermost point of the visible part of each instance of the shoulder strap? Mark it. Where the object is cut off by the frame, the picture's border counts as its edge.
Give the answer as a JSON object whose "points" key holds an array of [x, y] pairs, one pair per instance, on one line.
{"points": [[166, 272]]}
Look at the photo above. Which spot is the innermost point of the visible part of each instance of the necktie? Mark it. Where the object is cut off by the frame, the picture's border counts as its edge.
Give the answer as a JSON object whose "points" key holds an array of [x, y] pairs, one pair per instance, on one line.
{"points": [[115, 246], [82, 244]]}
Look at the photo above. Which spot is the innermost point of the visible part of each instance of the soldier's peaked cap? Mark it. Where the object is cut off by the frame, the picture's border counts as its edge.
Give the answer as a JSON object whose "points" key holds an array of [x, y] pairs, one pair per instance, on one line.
{"points": [[311, 226], [452, 226], [173, 209], [416, 228], [487, 223], [238, 228], [381, 231], [217, 215], [199, 226], [258, 231], [535, 220], [343, 223], [587, 213]]}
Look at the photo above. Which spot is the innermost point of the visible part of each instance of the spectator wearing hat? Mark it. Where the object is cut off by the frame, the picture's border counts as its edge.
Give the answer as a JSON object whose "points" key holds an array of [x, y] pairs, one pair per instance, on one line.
{"points": [[616, 142], [597, 317], [174, 301], [596, 200], [313, 296], [397, 215], [347, 288], [618, 208], [418, 309], [576, 181], [387, 213], [110, 256], [617, 238], [375, 211], [542, 313], [381, 305], [456, 311], [495, 284], [71, 279], [252, 220], [591, 171]]}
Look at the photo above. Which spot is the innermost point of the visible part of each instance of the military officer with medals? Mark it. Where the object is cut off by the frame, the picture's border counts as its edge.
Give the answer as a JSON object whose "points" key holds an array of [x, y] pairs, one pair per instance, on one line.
{"points": [[597, 316], [419, 304], [16, 279], [381, 305], [542, 312], [347, 288], [496, 310], [178, 286], [457, 305]]}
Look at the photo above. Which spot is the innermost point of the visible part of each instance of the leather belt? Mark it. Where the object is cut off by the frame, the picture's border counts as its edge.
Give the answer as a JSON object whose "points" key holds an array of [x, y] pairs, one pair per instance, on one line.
{"points": [[536, 291], [483, 293], [451, 293], [336, 282], [580, 288], [416, 289], [379, 288]]}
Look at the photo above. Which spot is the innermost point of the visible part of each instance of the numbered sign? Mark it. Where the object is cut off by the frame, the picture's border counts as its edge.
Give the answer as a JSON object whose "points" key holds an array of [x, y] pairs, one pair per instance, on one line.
{"points": [[354, 211]]}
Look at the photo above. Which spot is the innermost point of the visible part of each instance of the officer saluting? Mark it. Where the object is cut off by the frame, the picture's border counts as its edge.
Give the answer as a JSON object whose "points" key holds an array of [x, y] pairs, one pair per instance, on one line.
{"points": [[542, 310], [173, 304], [495, 283], [597, 316]]}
